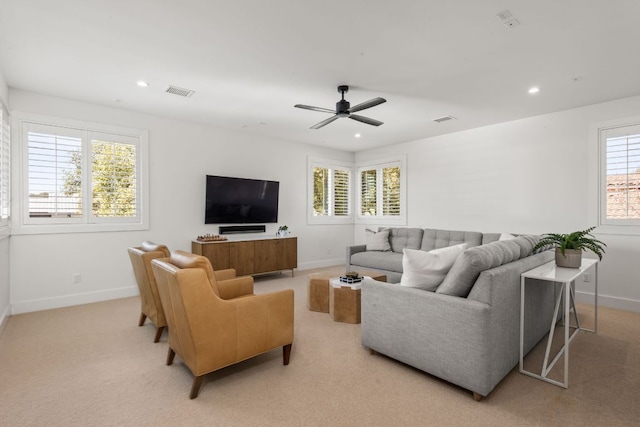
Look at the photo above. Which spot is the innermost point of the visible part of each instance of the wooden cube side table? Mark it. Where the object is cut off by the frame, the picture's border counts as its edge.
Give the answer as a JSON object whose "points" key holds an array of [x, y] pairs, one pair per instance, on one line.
{"points": [[327, 294], [344, 301], [318, 293], [375, 275], [345, 298]]}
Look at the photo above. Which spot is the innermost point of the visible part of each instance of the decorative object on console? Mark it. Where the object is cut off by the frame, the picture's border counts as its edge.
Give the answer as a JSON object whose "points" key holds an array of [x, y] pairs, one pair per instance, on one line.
{"points": [[211, 238], [283, 231], [569, 247]]}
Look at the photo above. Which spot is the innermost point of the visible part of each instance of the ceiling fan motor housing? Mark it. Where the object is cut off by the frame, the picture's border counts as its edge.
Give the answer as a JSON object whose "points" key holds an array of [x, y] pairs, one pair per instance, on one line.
{"points": [[342, 108]]}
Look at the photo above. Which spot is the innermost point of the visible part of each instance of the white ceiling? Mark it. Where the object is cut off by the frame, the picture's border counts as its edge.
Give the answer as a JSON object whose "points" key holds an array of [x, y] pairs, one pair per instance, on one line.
{"points": [[250, 61]]}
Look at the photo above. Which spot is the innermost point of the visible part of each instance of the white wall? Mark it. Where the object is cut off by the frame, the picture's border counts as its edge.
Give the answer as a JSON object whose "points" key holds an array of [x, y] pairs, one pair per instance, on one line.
{"points": [[4, 239], [4, 91], [524, 176], [181, 155]]}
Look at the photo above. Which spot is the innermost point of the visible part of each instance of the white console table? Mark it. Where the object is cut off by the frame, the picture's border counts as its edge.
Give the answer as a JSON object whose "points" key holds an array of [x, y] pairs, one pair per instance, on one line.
{"points": [[552, 274]]}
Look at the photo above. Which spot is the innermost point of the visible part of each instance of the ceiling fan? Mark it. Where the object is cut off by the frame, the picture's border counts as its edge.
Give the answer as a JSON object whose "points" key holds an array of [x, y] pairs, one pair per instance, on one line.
{"points": [[344, 109]]}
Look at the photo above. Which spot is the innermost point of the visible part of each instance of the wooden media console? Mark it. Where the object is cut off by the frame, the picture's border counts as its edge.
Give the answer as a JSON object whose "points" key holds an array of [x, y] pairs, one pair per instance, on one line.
{"points": [[251, 257]]}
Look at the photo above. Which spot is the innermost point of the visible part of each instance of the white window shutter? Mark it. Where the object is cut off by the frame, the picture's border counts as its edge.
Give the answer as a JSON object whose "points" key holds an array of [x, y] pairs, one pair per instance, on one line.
{"points": [[54, 178], [621, 196]]}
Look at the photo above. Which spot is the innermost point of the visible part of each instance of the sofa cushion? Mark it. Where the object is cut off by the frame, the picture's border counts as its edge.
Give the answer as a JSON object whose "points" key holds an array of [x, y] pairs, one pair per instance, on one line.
{"points": [[401, 238], [426, 270], [378, 241], [377, 260], [435, 239], [527, 243], [473, 261]]}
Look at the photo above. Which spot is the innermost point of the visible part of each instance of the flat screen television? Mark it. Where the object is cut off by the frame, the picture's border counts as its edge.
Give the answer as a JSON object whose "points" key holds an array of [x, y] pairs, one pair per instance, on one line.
{"points": [[240, 200]]}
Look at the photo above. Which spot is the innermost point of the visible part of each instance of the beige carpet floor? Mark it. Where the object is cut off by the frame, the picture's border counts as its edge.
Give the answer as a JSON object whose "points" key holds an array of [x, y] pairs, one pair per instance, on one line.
{"points": [[91, 365]]}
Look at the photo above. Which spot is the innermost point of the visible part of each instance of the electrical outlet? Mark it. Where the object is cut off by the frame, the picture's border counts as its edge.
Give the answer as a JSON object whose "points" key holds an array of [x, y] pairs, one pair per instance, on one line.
{"points": [[77, 278], [587, 277]]}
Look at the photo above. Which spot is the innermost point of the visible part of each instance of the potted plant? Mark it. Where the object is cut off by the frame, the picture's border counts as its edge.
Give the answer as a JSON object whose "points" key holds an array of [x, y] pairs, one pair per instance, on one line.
{"points": [[569, 247], [283, 230]]}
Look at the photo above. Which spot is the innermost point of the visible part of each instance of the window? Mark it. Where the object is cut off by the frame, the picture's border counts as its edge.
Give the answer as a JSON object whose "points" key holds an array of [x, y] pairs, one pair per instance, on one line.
{"points": [[330, 190], [5, 168], [620, 175], [82, 177], [381, 192]]}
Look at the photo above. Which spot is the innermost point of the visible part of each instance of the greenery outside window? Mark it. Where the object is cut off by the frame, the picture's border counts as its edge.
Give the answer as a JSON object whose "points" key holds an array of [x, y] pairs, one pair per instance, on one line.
{"points": [[382, 189], [82, 177], [330, 187]]}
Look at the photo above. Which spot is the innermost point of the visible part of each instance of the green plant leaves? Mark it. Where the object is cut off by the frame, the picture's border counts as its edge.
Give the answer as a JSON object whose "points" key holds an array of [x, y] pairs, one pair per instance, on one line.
{"points": [[579, 240]]}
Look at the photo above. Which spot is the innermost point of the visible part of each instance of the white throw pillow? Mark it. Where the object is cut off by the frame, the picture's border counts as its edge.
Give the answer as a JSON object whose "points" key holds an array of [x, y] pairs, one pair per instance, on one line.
{"points": [[506, 236], [426, 270], [378, 241]]}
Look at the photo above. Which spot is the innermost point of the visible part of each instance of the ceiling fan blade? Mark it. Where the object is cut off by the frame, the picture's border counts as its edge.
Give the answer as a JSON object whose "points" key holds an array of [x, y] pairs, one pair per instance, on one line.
{"points": [[320, 109], [366, 120], [324, 122], [367, 104]]}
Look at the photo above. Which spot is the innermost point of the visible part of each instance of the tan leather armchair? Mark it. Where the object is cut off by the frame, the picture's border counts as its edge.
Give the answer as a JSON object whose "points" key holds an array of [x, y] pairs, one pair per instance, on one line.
{"points": [[151, 306], [214, 323]]}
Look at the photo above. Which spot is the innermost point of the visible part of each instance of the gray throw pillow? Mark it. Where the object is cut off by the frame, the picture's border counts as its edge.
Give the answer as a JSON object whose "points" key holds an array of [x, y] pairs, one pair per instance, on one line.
{"points": [[473, 261], [378, 241]]}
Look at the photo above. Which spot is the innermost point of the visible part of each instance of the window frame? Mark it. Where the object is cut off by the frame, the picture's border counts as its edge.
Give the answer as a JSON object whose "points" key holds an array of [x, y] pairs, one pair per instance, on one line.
{"points": [[379, 165], [315, 162], [598, 178], [88, 222]]}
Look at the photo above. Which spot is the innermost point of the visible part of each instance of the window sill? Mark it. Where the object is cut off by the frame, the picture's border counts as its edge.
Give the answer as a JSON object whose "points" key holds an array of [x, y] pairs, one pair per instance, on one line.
{"points": [[76, 228]]}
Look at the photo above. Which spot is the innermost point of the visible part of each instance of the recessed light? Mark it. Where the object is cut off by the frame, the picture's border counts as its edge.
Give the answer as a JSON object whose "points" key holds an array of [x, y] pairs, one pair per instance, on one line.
{"points": [[534, 89], [357, 135], [142, 83]]}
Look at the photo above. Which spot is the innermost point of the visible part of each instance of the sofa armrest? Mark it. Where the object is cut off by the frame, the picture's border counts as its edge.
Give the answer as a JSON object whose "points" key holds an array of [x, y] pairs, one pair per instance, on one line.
{"points": [[444, 335], [354, 250], [236, 287]]}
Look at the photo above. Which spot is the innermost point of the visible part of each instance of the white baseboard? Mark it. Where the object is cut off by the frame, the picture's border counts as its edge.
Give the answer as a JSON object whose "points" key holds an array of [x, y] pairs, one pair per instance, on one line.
{"points": [[609, 301], [69, 300], [321, 264]]}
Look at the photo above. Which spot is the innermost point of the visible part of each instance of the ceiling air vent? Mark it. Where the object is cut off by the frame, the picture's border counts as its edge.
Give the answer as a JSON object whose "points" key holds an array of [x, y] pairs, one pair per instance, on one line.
{"points": [[443, 119], [180, 91]]}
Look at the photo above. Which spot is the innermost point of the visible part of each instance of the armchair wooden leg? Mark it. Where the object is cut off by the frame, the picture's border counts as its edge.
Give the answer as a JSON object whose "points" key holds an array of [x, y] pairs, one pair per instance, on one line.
{"points": [[477, 396], [143, 317], [195, 387], [286, 354], [170, 356], [158, 334]]}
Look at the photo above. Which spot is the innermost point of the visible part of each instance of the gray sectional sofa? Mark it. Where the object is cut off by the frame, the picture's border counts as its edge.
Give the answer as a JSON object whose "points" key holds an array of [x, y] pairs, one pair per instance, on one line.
{"points": [[390, 261], [467, 332]]}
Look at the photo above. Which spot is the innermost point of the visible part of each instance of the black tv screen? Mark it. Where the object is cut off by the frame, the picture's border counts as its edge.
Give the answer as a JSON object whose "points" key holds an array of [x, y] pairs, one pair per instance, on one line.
{"points": [[240, 200]]}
